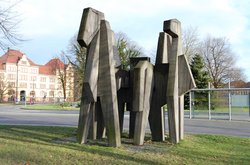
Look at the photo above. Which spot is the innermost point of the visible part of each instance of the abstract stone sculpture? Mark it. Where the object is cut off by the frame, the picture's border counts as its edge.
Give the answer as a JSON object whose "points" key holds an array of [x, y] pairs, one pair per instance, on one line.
{"points": [[173, 78], [99, 86], [144, 88]]}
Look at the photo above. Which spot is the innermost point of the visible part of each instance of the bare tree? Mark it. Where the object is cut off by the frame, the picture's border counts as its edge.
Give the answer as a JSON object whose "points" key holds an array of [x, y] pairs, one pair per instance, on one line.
{"points": [[190, 42], [8, 25], [76, 56], [58, 67], [219, 59], [236, 74], [126, 49], [4, 87]]}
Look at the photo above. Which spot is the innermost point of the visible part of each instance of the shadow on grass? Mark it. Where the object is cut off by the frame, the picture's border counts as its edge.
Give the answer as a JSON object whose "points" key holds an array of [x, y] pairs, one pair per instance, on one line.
{"points": [[59, 136], [198, 148]]}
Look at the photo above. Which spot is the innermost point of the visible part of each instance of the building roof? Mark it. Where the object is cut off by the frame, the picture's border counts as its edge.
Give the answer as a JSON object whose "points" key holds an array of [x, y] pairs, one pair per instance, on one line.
{"points": [[13, 56], [43, 69], [56, 62]]}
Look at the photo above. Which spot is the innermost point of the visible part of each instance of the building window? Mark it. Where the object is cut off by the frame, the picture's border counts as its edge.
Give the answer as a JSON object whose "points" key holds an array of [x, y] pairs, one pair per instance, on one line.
{"points": [[11, 76], [33, 78], [32, 93], [11, 84], [42, 86], [23, 85], [51, 86], [52, 79], [33, 71], [24, 77], [59, 86], [70, 75], [1, 75], [43, 79], [60, 94], [51, 93], [11, 92], [43, 93], [32, 85], [24, 70], [24, 62], [11, 68]]}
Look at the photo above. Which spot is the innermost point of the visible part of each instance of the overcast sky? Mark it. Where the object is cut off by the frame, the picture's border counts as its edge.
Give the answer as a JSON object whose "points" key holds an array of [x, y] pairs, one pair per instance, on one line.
{"points": [[48, 25]]}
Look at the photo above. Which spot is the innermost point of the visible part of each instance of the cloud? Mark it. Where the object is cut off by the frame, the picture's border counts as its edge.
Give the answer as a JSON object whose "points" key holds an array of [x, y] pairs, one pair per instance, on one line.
{"points": [[141, 20]]}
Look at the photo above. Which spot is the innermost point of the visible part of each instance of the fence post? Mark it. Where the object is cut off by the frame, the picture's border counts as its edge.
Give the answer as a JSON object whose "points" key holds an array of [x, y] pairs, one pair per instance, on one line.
{"points": [[190, 105], [249, 102], [209, 102], [229, 101]]}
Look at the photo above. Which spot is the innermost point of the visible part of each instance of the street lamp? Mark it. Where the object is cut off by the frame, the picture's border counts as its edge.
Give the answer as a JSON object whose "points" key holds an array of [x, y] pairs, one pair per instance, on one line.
{"points": [[18, 59]]}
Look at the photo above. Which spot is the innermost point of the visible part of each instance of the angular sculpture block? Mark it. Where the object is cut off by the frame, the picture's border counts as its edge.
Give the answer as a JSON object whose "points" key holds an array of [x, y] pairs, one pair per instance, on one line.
{"points": [[84, 121], [142, 93], [172, 27], [91, 71], [89, 26], [133, 62], [157, 114], [186, 82], [107, 85], [162, 48]]}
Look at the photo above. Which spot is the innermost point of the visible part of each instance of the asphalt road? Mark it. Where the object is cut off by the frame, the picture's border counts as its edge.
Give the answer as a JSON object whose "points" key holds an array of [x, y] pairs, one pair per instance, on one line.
{"points": [[12, 114]]}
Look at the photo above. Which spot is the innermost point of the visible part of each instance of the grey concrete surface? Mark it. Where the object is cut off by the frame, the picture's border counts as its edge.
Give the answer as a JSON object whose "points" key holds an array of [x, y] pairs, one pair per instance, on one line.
{"points": [[12, 114]]}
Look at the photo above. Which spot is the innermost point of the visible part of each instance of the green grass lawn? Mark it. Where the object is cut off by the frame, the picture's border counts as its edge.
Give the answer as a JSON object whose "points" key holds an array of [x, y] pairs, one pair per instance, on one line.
{"points": [[223, 109], [48, 107], [56, 145]]}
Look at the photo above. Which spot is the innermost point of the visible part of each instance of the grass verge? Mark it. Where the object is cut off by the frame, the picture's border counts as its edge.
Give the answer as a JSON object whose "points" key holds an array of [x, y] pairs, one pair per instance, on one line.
{"points": [[48, 107], [56, 145]]}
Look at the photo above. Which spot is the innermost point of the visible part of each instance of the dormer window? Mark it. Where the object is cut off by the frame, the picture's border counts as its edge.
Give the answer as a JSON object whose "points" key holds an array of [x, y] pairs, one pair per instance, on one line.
{"points": [[24, 62]]}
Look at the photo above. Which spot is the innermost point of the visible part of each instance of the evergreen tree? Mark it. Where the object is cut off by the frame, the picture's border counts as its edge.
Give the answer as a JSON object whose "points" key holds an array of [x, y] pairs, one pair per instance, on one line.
{"points": [[201, 79], [127, 49], [200, 75]]}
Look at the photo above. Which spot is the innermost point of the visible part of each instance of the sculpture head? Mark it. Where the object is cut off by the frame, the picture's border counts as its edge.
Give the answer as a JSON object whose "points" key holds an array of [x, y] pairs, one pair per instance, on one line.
{"points": [[90, 24], [172, 27]]}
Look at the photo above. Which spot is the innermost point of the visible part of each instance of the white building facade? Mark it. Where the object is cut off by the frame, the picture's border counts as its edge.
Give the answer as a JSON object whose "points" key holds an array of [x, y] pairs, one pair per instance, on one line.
{"points": [[26, 81]]}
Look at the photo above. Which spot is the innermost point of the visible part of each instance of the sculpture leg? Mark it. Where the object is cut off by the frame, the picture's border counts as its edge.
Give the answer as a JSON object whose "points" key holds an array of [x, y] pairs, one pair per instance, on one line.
{"points": [[173, 118], [121, 107], [84, 121], [157, 122], [181, 117], [140, 126], [132, 116], [157, 113], [93, 123], [110, 116], [100, 122]]}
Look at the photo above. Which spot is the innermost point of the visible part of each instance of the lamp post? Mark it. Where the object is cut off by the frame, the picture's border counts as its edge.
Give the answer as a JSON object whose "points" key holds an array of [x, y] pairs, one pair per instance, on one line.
{"points": [[17, 79]]}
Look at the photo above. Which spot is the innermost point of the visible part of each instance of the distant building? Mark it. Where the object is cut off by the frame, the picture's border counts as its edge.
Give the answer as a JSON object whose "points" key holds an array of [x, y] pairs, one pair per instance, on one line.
{"points": [[238, 84], [21, 78]]}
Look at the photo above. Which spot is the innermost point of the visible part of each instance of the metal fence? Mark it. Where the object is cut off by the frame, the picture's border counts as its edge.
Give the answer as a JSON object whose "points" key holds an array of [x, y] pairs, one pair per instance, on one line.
{"points": [[220, 104]]}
